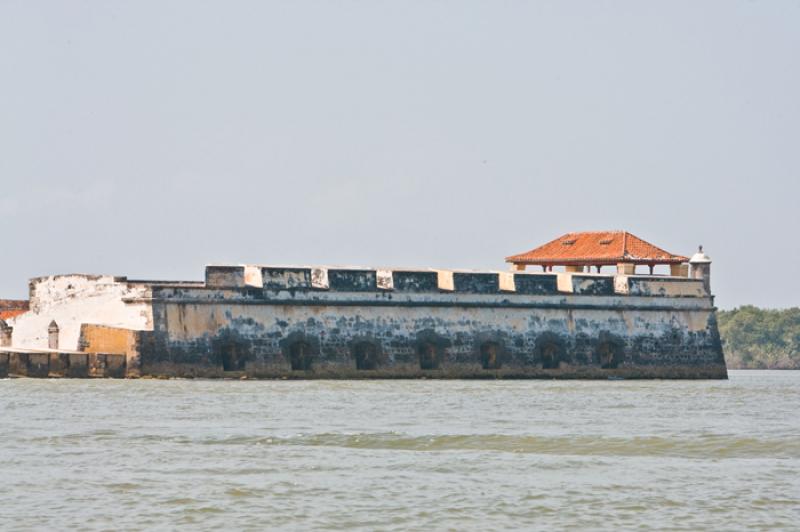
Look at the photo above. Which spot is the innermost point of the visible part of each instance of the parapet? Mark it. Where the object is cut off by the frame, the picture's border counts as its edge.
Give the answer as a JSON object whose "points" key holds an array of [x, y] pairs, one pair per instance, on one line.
{"points": [[351, 279]]}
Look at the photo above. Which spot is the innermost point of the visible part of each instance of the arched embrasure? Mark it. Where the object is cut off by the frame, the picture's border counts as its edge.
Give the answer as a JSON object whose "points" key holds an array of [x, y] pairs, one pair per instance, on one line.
{"points": [[231, 351], [429, 356], [490, 355], [609, 354], [550, 356], [366, 355], [300, 356], [550, 351]]}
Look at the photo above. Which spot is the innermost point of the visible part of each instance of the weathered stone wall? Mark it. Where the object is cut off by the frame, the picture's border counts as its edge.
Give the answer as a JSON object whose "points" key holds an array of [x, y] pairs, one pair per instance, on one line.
{"points": [[309, 323], [295, 322], [112, 340], [72, 300]]}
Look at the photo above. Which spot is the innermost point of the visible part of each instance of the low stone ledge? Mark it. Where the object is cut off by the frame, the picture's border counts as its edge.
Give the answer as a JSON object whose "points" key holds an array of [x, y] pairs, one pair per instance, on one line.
{"points": [[59, 363], [78, 367], [105, 365], [51, 364], [18, 364], [38, 365]]}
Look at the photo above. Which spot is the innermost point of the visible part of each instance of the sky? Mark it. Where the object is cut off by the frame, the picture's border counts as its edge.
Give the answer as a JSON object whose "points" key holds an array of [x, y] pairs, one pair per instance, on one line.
{"points": [[150, 138]]}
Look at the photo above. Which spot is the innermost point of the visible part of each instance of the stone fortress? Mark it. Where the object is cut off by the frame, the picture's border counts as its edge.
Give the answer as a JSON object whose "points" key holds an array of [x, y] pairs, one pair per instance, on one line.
{"points": [[258, 321]]}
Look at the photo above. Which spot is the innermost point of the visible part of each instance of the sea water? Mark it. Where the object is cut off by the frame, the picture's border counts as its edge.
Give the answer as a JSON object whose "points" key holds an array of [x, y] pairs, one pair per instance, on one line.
{"points": [[401, 454]]}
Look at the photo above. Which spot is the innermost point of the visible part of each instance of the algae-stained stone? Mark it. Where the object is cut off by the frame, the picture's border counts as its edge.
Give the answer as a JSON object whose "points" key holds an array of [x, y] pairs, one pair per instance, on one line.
{"points": [[115, 366], [536, 284], [476, 283], [592, 285], [352, 280], [97, 365], [18, 363], [38, 365], [286, 278], [59, 362], [78, 366], [415, 281]]}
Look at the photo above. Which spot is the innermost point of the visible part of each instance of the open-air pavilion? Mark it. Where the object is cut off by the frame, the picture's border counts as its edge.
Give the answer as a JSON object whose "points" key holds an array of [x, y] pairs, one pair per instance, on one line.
{"points": [[579, 252]]}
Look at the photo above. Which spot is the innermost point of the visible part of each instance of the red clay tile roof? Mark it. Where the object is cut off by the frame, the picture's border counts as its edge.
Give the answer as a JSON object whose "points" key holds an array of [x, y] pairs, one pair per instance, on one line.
{"points": [[597, 248], [7, 314], [12, 307]]}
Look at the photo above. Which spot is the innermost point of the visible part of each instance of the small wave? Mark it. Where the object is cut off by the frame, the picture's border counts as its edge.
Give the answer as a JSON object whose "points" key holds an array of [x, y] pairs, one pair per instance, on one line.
{"points": [[708, 446], [705, 447], [123, 487]]}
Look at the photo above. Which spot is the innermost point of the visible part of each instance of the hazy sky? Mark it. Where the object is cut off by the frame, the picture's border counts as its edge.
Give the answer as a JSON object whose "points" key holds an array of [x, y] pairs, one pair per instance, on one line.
{"points": [[150, 138]]}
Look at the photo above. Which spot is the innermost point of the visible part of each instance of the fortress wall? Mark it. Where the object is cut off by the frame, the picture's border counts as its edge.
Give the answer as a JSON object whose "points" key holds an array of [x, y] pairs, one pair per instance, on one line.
{"points": [[72, 300], [296, 322], [255, 331]]}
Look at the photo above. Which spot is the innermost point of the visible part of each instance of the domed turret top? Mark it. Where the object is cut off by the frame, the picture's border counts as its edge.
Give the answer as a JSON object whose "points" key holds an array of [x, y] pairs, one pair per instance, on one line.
{"points": [[700, 257]]}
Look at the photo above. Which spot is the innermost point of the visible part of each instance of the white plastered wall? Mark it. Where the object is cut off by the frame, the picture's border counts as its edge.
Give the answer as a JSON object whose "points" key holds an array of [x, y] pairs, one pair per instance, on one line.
{"points": [[72, 300]]}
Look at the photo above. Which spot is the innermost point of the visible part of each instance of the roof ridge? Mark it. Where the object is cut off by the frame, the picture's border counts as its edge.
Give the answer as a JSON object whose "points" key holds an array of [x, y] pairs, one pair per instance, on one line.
{"points": [[624, 243], [615, 231]]}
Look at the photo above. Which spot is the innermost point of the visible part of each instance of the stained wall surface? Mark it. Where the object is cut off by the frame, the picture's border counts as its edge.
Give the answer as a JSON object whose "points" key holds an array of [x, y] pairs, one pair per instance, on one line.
{"points": [[299, 322], [350, 327]]}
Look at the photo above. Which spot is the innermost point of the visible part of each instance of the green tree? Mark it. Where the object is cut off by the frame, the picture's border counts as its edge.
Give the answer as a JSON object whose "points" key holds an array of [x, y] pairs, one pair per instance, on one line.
{"points": [[755, 338]]}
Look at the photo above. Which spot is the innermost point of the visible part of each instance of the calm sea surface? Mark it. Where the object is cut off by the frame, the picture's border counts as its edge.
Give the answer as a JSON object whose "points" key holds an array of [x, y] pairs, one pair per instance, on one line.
{"points": [[397, 455]]}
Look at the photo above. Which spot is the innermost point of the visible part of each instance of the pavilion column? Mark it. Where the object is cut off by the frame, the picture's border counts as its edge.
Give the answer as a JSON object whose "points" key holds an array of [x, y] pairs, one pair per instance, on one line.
{"points": [[626, 268], [679, 270]]}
